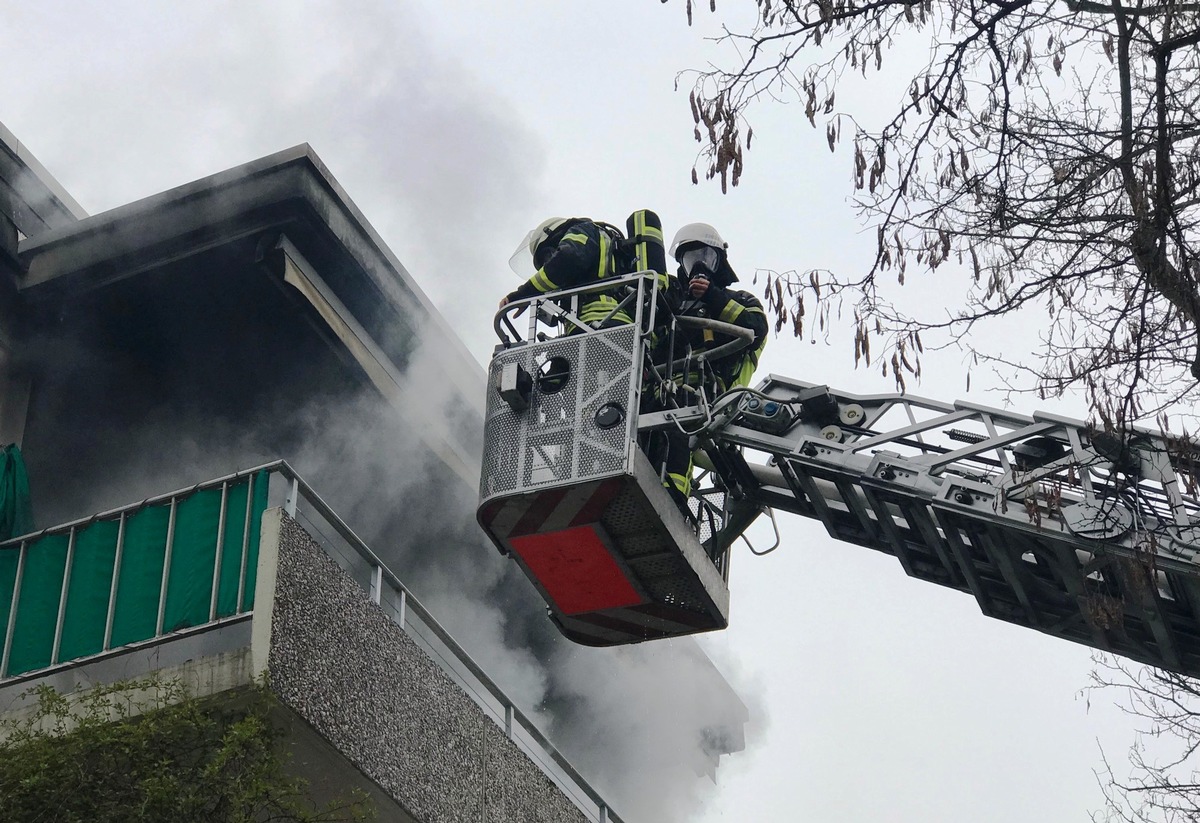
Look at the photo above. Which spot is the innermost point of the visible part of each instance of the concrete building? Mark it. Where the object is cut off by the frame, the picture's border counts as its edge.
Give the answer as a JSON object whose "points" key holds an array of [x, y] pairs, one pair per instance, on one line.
{"points": [[215, 331]]}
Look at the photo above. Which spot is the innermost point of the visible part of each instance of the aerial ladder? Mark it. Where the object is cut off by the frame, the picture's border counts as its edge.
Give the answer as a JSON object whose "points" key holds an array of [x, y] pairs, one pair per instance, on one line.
{"points": [[1087, 535]]}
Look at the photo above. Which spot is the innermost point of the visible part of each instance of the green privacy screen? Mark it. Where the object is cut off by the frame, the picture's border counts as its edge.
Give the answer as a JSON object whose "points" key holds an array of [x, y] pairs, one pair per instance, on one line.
{"points": [[16, 514], [194, 548]]}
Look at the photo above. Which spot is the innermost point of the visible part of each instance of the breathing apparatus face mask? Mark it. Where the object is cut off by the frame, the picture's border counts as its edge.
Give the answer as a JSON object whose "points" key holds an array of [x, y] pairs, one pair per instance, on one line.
{"points": [[700, 261]]}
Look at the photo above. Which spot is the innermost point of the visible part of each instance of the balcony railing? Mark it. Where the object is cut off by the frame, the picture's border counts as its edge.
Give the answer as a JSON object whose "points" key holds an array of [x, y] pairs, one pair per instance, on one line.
{"points": [[132, 574], [187, 560]]}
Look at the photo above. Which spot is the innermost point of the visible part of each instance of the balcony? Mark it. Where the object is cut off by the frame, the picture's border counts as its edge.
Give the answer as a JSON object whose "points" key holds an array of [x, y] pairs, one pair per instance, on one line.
{"points": [[251, 574]]}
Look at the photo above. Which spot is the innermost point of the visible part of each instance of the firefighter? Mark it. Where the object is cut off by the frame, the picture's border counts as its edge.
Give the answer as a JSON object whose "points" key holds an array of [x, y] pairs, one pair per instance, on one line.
{"points": [[569, 252], [701, 288]]}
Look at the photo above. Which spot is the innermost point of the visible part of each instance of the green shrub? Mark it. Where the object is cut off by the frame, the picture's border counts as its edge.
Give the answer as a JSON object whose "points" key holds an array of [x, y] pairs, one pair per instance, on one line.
{"points": [[148, 752]]}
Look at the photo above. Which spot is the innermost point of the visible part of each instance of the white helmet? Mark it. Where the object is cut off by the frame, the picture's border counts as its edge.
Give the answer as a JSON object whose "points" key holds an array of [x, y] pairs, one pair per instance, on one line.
{"points": [[697, 233], [522, 259]]}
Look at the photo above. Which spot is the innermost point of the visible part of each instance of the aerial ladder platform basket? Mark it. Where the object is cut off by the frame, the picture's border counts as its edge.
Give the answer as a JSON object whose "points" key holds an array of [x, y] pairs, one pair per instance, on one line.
{"points": [[565, 489], [1083, 533]]}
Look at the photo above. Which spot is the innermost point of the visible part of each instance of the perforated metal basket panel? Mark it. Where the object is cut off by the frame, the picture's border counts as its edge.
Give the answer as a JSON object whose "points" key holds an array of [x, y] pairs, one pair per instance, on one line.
{"points": [[557, 440], [626, 514], [554, 468], [667, 582], [710, 514], [636, 531]]}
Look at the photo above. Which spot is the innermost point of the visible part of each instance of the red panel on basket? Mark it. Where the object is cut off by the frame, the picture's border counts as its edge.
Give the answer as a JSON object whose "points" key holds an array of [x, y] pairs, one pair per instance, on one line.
{"points": [[576, 570]]}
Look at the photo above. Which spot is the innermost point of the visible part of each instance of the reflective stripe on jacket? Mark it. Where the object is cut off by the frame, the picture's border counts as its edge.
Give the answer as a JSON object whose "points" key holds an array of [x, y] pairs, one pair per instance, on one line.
{"points": [[584, 255], [739, 308]]}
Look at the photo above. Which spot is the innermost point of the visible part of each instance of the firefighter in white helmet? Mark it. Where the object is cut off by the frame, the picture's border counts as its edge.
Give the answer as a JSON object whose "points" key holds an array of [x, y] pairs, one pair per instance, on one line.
{"points": [[701, 288], [703, 284], [567, 252]]}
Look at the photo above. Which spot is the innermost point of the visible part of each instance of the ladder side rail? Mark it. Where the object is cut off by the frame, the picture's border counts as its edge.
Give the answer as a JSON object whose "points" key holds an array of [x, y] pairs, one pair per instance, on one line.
{"points": [[1033, 535], [1081, 475], [921, 483], [1158, 467], [784, 389]]}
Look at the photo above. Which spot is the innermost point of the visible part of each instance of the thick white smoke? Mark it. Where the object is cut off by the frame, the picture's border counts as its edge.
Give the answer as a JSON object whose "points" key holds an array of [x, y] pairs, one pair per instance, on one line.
{"points": [[644, 721], [434, 159], [442, 170]]}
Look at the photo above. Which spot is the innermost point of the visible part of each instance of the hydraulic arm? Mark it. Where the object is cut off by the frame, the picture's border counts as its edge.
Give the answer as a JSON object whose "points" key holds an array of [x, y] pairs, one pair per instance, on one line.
{"points": [[1088, 536]]}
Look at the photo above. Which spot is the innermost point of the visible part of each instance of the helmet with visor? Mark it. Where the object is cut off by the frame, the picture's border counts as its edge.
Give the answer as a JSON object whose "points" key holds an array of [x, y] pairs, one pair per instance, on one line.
{"points": [[701, 252]]}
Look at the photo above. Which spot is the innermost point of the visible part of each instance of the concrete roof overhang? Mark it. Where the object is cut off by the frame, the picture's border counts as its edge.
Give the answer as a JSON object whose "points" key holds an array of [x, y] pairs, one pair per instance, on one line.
{"points": [[29, 194], [290, 193]]}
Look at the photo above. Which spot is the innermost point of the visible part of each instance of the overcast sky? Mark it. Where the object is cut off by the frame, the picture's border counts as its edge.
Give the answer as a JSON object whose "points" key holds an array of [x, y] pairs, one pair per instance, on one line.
{"points": [[457, 126]]}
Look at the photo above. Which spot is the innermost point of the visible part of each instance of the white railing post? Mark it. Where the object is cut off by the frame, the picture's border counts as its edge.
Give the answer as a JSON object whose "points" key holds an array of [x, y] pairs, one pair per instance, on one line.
{"points": [[376, 584], [62, 598], [112, 589], [166, 572], [241, 593], [12, 611], [293, 496], [216, 579]]}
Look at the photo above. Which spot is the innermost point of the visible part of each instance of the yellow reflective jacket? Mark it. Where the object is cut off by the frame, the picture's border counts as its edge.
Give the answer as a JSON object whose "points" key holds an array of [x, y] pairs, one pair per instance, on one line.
{"points": [[584, 254]]}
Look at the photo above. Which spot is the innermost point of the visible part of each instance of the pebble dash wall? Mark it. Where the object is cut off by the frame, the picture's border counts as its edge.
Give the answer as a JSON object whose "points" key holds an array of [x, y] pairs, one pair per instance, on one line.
{"points": [[367, 688]]}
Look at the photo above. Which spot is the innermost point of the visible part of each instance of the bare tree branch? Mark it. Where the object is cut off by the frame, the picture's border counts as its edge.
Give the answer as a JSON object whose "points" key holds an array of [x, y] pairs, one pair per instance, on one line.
{"points": [[1049, 153]]}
